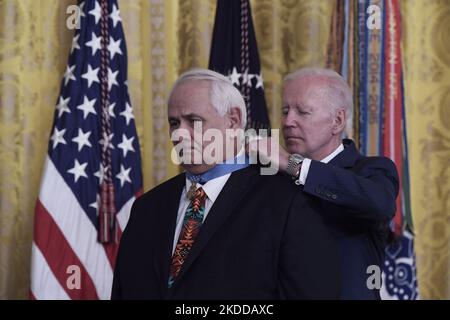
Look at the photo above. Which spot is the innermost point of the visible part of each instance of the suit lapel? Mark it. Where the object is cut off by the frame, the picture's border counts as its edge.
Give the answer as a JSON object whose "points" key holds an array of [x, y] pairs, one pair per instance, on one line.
{"points": [[166, 231], [233, 192]]}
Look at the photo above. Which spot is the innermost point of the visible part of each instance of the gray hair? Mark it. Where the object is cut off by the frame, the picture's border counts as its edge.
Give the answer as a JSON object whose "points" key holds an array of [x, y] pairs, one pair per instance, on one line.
{"points": [[337, 90], [223, 94]]}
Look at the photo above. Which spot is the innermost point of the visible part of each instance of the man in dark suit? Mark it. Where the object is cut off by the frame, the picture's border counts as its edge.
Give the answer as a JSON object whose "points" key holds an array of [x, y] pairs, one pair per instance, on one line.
{"points": [[354, 194], [221, 230]]}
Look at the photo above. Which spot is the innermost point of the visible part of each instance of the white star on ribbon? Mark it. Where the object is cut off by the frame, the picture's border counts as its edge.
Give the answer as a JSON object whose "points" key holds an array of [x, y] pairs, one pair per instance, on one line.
{"points": [[114, 47], [58, 137], [95, 43], [87, 106], [127, 113], [78, 170], [123, 175], [82, 139], [115, 15], [63, 106], [96, 12], [91, 75], [68, 75], [126, 145]]}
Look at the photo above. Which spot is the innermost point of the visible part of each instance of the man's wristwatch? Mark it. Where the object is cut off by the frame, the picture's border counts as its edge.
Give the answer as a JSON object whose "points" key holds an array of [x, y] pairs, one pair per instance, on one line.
{"points": [[294, 164]]}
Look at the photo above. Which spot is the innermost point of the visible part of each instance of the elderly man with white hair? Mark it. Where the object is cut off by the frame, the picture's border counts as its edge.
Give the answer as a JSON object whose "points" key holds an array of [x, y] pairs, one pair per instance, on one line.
{"points": [[219, 230], [355, 194]]}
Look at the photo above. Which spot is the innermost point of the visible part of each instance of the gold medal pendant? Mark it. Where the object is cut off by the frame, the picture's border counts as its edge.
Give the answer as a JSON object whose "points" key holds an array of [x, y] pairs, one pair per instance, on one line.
{"points": [[191, 191]]}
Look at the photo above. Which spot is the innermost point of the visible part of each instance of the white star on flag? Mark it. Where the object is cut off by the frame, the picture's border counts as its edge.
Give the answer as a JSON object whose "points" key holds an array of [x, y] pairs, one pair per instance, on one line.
{"points": [[234, 76], [96, 12], [106, 141], [63, 106], [112, 78], [68, 75], [115, 15], [127, 113], [91, 75], [82, 10], [95, 43], [259, 81], [247, 79], [114, 47], [75, 44], [111, 110], [87, 106], [95, 203], [100, 174], [58, 137], [126, 145], [123, 175], [82, 139], [78, 170]]}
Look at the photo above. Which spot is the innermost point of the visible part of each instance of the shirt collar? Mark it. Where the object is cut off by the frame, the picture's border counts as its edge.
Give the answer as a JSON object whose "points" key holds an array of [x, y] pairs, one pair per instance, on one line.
{"points": [[213, 187], [338, 150]]}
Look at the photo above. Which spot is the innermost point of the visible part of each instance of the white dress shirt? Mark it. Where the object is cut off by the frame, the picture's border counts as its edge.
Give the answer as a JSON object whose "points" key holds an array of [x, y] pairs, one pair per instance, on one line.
{"points": [[212, 189], [307, 163]]}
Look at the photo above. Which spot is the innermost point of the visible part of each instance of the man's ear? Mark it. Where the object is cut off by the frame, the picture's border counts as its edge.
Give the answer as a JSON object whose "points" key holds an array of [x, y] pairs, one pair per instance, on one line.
{"points": [[235, 118], [339, 121]]}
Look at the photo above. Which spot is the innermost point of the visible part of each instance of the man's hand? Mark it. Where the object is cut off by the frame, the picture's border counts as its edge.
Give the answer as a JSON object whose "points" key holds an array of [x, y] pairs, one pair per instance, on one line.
{"points": [[262, 147]]}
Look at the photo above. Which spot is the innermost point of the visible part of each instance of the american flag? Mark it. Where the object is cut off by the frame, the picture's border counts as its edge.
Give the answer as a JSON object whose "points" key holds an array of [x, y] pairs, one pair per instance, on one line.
{"points": [[92, 171]]}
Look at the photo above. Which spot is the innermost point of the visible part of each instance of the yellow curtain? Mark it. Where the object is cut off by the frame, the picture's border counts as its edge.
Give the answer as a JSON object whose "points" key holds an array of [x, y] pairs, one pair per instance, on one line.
{"points": [[164, 38], [426, 26], [33, 54]]}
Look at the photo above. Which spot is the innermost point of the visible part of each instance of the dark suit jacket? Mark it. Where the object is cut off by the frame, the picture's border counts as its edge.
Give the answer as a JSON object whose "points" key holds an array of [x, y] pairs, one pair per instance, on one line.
{"points": [[356, 196], [260, 240]]}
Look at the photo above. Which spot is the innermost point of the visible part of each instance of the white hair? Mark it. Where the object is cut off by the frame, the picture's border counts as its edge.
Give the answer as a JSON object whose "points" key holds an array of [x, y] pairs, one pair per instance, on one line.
{"points": [[223, 94], [336, 89]]}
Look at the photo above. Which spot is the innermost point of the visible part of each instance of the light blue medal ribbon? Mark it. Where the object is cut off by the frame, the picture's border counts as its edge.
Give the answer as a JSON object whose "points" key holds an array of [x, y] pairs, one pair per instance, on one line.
{"points": [[221, 169]]}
